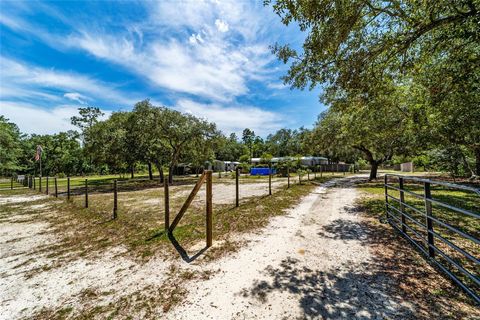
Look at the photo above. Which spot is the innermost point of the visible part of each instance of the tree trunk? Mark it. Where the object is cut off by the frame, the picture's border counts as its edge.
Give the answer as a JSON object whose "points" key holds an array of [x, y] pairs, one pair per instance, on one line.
{"points": [[170, 175], [467, 166], [150, 174], [373, 170], [160, 171]]}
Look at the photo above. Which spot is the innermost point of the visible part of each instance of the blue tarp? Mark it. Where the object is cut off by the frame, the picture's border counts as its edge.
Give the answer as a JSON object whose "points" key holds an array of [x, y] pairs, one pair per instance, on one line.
{"points": [[261, 171]]}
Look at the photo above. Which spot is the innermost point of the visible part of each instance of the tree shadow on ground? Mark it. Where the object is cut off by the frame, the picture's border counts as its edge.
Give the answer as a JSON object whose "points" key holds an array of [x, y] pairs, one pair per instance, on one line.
{"points": [[183, 253], [331, 295], [395, 283], [341, 229]]}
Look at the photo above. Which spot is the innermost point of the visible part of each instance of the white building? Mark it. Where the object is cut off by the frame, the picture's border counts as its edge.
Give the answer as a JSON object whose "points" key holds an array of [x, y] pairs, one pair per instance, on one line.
{"points": [[306, 161]]}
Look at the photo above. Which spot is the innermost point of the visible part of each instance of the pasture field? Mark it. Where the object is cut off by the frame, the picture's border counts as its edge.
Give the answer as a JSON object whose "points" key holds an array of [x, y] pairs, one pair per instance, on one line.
{"points": [[44, 236]]}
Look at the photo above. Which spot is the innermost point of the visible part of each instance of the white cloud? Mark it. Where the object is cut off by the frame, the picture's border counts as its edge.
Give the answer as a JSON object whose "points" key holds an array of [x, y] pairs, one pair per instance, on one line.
{"points": [[276, 85], [22, 78], [222, 26], [75, 96], [234, 118], [206, 63], [12, 22], [32, 119]]}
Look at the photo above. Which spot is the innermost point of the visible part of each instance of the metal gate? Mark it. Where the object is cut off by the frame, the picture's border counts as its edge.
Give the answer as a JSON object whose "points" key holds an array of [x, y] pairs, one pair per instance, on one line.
{"points": [[431, 215]]}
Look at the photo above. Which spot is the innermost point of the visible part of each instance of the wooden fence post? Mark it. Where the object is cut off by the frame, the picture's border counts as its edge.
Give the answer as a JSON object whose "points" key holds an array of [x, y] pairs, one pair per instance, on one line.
{"points": [[34, 183], [428, 211], [11, 183], [209, 219], [288, 176], [46, 187], [86, 193], [189, 200], [270, 179], [237, 191], [56, 188], [68, 188], [315, 172], [321, 170], [167, 204], [40, 183], [343, 169], [402, 204], [115, 198]]}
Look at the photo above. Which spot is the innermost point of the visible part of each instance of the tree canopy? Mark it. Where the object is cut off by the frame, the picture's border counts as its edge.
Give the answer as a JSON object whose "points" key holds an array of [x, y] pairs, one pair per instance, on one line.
{"points": [[403, 68]]}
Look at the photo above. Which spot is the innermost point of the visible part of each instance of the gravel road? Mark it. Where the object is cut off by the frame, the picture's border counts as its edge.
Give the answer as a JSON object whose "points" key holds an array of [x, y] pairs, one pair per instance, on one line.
{"points": [[310, 264]]}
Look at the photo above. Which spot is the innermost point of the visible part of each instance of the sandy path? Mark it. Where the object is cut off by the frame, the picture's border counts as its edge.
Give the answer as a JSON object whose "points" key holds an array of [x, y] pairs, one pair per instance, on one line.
{"points": [[311, 263]]}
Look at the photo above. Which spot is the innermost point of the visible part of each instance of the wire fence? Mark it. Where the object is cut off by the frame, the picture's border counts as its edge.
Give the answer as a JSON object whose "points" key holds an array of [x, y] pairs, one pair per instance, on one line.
{"points": [[107, 190]]}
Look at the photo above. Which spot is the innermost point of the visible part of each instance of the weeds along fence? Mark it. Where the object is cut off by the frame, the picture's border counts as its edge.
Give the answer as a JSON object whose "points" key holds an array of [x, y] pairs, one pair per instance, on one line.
{"points": [[442, 220], [117, 198]]}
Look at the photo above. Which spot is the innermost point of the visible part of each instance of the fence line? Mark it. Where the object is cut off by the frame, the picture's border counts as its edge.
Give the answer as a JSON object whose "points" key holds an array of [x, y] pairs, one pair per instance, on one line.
{"points": [[70, 188]]}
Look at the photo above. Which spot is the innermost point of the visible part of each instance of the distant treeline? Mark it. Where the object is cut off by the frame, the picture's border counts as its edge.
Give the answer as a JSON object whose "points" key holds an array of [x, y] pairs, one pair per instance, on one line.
{"points": [[148, 138]]}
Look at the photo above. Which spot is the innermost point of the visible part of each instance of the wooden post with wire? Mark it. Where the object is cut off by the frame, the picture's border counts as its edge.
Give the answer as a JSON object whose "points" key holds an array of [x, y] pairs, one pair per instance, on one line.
{"points": [[115, 199], [167, 204], [206, 176], [56, 188], [68, 188], [270, 179], [209, 217], [46, 189], [237, 191], [288, 176], [86, 193]]}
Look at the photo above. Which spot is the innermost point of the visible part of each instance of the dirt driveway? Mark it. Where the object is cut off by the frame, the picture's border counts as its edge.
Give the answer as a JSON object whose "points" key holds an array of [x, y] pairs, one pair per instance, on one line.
{"points": [[314, 262]]}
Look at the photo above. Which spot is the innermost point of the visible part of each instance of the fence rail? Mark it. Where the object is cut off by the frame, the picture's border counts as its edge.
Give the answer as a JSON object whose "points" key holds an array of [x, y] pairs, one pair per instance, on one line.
{"points": [[441, 236]]}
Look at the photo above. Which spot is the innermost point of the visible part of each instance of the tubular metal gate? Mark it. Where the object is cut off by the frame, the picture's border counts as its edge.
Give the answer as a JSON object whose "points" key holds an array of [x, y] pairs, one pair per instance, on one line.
{"points": [[449, 245]]}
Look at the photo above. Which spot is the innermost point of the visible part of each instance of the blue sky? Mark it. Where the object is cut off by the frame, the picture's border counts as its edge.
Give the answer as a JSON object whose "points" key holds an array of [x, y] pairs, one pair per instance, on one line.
{"points": [[208, 58]]}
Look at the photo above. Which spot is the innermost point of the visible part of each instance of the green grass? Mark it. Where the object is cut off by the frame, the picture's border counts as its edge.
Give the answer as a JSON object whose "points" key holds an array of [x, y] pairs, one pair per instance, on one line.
{"points": [[374, 204]]}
